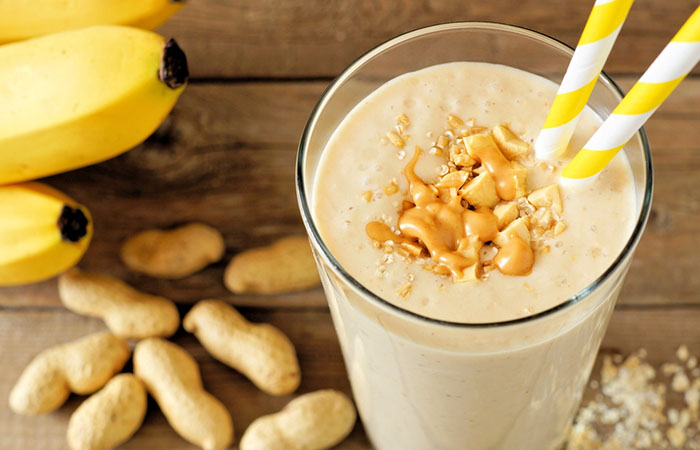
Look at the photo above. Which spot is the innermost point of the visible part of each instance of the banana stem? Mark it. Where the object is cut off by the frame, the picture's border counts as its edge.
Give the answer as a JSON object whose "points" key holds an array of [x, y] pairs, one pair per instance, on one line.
{"points": [[72, 223], [173, 69]]}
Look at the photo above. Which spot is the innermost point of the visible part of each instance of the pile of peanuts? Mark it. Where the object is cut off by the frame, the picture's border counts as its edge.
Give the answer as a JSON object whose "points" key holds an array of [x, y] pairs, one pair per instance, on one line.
{"points": [[261, 352]]}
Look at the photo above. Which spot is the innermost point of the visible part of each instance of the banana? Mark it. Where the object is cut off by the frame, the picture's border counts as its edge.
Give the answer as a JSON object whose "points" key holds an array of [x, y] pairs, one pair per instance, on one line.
{"points": [[22, 19], [42, 233], [79, 97]]}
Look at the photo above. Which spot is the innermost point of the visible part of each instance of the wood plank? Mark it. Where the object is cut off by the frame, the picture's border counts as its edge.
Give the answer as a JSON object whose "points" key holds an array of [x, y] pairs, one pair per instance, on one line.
{"points": [[318, 38], [660, 332], [226, 157]]}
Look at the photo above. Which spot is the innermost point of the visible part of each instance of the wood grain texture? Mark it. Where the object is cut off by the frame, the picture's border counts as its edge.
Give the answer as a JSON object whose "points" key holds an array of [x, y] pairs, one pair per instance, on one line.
{"points": [[226, 156], [318, 38], [322, 366]]}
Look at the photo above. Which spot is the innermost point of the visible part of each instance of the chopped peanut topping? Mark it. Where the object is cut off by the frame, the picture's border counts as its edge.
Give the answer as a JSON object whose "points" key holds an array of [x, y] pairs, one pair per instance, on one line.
{"points": [[396, 140], [403, 120], [391, 188], [454, 121], [559, 228], [405, 290], [520, 174], [471, 273], [547, 197], [453, 180], [437, 151], [459, 156], [367, 196], [518, 227], [442, 142], [481, 191], [412, 248], [511, 146], [506, 213], [478, 215]]}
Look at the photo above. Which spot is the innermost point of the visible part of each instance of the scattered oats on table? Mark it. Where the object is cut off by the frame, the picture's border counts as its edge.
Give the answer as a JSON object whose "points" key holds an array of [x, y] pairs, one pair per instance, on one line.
{"points": [[632, 409]]}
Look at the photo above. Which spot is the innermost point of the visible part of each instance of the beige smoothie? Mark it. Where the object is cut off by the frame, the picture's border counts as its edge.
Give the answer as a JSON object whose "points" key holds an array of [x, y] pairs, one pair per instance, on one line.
{"points": [[429, 195]]}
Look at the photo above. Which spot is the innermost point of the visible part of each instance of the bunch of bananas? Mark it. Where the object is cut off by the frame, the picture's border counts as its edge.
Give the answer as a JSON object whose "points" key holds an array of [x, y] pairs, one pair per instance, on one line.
{"points": [[71, 97]]}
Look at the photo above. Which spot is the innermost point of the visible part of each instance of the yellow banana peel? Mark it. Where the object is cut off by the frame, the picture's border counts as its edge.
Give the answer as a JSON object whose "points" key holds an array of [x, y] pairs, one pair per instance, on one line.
{"points": [[42, 233], [23, 19], [78, 97]]}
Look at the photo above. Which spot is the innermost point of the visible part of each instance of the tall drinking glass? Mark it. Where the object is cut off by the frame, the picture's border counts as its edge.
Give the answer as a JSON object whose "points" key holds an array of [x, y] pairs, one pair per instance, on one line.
{"points": [[421, 383]]}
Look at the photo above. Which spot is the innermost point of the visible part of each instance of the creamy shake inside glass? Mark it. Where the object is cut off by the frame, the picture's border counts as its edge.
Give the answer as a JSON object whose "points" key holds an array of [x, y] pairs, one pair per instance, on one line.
{"points": [[469, 288]]}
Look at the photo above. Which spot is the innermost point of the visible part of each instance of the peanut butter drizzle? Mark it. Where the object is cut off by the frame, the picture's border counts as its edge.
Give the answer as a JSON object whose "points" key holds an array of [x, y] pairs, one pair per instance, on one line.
{"points": [[515, 257], [442, 226], [498, 166], [382, 232], [482, 223]]}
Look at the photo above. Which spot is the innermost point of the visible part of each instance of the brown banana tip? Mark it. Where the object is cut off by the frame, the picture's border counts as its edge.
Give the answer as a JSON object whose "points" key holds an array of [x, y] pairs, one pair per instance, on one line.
{"points": [[173, 65], [72, 223]]}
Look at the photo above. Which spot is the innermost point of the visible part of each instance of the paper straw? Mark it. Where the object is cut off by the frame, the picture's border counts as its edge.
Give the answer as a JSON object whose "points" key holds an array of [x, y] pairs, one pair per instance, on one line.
{"points": [[592, 51], [661, 78]]}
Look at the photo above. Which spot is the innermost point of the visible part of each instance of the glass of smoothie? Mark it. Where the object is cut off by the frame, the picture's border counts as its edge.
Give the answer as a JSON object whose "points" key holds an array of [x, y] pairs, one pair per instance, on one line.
{"points": [[470, 289]]}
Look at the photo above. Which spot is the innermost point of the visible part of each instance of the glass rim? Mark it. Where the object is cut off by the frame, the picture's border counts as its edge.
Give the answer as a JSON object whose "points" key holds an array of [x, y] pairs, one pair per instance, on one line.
{"points": [[328, 257]]}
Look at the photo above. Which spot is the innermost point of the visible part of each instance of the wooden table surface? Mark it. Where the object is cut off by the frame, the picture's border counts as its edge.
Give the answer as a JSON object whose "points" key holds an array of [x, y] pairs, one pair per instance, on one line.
{"points": [[226, 155]]}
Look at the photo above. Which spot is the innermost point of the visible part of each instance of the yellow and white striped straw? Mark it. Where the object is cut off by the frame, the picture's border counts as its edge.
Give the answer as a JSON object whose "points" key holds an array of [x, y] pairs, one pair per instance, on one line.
{"points": [[661, 78], [592, 51]]}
